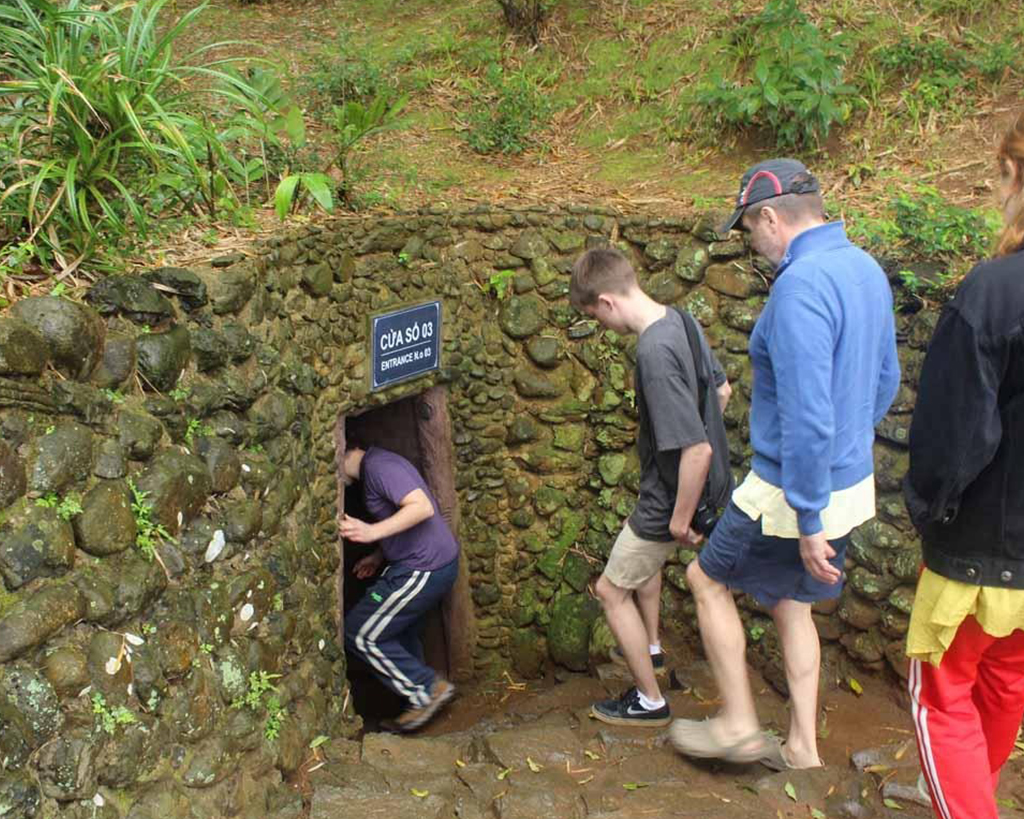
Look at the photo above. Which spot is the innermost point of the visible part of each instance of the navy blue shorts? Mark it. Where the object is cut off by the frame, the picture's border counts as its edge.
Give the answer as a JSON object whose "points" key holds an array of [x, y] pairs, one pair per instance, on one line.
{"points": [[769, 569]]}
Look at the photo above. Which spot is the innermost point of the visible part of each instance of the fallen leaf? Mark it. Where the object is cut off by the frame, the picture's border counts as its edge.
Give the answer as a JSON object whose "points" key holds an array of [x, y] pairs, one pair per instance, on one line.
{"points": [[503, 773], [584, 781], [790, 790], [460, 763], [902, 749], [592, 755], [634, 786], [892, 804], [417, 792], [533, 765], [855, 687], [316, 743], [817, 814]]}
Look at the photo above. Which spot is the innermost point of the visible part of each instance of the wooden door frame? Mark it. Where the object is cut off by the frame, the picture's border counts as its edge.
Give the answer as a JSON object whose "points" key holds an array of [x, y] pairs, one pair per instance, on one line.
{"points": [[437, 455]]}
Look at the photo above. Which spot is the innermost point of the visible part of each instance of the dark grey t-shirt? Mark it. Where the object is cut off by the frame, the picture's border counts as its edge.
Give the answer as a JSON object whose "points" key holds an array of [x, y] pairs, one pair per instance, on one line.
{"points": [[670, 421]]}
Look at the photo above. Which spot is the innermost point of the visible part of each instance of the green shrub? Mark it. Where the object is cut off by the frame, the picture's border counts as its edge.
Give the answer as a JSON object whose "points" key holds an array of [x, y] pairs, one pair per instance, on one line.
{"points": [[98, 118], [506, 112], [932, 228], [790, 79], [938, 76], [923, 225], [344, 72]]}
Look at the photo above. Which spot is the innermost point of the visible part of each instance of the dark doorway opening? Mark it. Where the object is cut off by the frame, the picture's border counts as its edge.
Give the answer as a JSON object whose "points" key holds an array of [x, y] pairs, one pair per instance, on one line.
{"points": [[418, 429]]}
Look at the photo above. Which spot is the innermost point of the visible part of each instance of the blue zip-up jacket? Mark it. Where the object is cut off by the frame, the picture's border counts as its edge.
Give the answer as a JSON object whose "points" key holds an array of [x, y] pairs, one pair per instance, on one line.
{"points": [[825, 370]]}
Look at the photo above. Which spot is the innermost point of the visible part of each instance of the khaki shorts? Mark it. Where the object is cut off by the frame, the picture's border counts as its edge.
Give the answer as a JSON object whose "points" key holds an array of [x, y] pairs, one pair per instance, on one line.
{"points": [[634, 561]]}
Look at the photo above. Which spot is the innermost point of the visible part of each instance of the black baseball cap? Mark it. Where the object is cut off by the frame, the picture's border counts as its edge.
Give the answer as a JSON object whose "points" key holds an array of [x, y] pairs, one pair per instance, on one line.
{"points": [[768, 179]]}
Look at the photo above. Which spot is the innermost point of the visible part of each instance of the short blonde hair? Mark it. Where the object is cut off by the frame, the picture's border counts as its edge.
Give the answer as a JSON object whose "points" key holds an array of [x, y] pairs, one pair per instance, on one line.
{"points": [[598, 271]]}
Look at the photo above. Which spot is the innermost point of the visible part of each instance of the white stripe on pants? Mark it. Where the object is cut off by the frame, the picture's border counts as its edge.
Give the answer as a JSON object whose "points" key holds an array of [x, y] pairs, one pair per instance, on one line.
{"points": [[377, 622], [920, 713]]}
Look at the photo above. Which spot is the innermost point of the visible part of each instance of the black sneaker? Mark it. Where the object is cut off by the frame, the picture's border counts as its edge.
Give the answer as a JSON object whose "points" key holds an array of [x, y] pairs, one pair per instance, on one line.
{"points": [[657, 660], [627, 710]]}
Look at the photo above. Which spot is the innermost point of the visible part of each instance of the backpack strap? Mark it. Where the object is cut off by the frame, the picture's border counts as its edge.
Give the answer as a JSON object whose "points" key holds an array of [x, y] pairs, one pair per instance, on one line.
{"points": [[693, 339]]}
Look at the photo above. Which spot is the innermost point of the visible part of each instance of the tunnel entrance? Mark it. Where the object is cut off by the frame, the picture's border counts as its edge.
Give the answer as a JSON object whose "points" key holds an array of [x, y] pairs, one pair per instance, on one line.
{"points": [[417, 428]]}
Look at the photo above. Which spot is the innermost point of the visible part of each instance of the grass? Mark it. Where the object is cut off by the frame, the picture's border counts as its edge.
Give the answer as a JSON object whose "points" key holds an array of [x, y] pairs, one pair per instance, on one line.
{"points": [[617, 76]]}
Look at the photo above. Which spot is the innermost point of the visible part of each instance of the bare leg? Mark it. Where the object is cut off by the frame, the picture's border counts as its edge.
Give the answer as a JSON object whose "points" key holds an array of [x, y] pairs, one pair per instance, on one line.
{"points": [[725, 645], [648, 600], [801, 653], [626, 624]]}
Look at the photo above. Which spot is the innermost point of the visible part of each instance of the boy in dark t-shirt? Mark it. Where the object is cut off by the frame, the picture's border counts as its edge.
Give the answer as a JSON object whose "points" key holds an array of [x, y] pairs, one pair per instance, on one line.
{"points": [[680, 452], [422, 556]]}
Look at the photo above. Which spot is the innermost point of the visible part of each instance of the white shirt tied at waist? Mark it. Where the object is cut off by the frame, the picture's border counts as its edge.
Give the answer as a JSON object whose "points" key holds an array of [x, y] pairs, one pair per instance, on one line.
{"points": [[847, 508]]}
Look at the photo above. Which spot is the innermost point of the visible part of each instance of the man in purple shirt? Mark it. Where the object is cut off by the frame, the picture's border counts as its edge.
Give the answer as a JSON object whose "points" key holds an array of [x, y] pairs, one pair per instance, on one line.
{"points": [[423, 560]]}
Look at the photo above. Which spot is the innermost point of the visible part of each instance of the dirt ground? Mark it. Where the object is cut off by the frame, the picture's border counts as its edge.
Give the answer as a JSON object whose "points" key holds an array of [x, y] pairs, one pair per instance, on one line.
{"points": [[513, 749]]}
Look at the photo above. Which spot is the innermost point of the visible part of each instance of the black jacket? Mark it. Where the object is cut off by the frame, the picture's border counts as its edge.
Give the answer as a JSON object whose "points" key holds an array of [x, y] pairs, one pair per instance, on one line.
{"points": [[965, 487]]}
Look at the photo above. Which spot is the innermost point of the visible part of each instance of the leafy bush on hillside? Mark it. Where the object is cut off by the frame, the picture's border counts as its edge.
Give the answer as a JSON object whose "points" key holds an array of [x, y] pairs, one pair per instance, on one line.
{"points": [[789, 79], [924, 225], [506, 113], [100, 127]]}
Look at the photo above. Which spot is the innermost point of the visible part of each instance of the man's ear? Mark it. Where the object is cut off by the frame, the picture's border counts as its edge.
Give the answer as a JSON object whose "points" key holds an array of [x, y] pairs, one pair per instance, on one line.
{"points": [[606, 300], [770, 215]]}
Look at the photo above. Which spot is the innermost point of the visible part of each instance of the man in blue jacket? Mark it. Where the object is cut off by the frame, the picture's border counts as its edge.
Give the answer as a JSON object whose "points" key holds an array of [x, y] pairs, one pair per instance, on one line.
{"points": [[825, 372]]}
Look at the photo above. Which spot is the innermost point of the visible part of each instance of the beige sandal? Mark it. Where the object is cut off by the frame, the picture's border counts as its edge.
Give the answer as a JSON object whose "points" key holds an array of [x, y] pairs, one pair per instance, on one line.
{"points": [[775, 759], [694, 738]]}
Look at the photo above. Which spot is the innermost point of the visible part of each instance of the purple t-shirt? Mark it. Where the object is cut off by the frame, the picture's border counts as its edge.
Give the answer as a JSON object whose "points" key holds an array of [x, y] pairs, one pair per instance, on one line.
{"points": [[387, 478]]}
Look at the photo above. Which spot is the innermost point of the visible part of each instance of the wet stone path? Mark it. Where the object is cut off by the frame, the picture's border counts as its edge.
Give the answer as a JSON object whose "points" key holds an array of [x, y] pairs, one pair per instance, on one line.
{"points": [[536, 754]]}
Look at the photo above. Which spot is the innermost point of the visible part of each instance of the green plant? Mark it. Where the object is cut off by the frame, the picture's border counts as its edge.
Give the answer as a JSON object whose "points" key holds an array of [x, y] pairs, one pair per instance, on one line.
{"points": [[15, 257], [196, 427], [355, 122], [506, 112], [98, 114], [148, 532], [278, 604], [113, 396], [67, 507], [179, 393], [756, 633], [911, 281], [932, 228], [260, 683], [500, 283], [790, 79], [109, 719], [404, 258], [344, 72], [292, 189]]}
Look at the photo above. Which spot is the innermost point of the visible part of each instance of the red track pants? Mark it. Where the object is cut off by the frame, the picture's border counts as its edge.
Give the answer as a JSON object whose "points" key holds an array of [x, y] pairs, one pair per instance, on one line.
{"points": [[966, 715]]}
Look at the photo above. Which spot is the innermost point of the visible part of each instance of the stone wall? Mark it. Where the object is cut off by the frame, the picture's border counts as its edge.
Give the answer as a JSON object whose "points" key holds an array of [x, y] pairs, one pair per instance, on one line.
{"points": [[205, 402]]}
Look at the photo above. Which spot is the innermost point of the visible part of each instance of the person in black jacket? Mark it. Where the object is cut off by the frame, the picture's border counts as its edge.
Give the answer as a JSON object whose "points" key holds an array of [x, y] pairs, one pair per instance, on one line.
{"points": [[965, 495]]}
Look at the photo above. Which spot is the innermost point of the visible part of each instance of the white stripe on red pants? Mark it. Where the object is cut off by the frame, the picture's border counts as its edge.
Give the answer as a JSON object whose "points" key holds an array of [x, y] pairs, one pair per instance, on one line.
{"points": [[967, 712]]}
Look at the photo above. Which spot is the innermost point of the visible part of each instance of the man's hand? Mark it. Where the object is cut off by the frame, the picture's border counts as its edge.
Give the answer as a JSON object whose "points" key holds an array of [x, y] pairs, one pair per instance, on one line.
{"points": [[682, 533], [369, 565], [815, 552], [356, 530]]}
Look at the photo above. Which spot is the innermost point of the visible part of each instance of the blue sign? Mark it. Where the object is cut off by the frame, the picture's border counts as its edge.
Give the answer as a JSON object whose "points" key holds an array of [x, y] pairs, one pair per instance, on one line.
{"points": [[406, 343]]}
